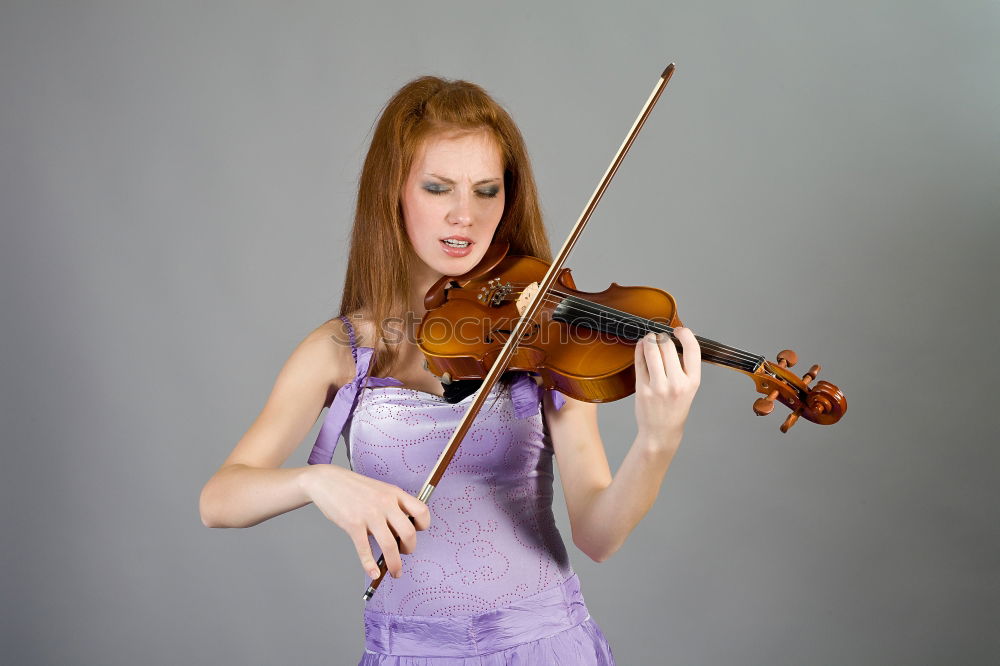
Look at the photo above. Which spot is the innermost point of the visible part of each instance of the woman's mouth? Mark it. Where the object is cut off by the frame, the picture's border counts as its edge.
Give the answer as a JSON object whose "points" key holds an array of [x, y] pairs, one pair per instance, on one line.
{"points": [[455, 247]]}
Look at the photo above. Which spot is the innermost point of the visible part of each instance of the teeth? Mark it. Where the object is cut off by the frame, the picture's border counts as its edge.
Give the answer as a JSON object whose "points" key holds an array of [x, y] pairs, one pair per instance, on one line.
{"points": [[455, 243]]}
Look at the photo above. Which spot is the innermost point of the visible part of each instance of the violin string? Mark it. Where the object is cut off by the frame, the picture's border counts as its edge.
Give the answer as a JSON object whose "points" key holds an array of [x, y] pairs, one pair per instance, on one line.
{"points": [[712, 350], [629, 321], [630, 324]]}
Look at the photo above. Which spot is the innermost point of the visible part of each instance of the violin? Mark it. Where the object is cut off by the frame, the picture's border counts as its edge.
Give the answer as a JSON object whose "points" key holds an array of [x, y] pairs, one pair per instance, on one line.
{"points": [[520, 313], [583, 344]]}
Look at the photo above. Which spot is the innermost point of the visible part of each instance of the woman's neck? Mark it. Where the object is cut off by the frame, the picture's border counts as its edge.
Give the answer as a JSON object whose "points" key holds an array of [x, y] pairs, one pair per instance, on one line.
{"points": [[421, 282]]}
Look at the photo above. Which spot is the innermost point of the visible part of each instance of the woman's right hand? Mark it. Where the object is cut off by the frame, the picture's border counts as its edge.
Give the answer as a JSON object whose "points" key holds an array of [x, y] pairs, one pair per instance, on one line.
{"points": [[360, 506]]}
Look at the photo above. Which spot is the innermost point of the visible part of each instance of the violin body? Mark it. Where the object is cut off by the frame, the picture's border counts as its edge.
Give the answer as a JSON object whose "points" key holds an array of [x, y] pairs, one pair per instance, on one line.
{"points": [[462, 336]]}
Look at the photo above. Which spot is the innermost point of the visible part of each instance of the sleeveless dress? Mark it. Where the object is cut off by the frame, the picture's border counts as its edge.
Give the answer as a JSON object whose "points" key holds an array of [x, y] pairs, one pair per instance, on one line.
{"points": [[490, 581]]}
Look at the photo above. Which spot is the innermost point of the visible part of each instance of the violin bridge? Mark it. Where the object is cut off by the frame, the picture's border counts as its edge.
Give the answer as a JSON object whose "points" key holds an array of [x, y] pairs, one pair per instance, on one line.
{"points": [[525, 298]]}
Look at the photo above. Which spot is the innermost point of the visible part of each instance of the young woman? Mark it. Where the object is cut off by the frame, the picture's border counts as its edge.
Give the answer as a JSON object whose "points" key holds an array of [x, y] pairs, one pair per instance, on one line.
{"points": [[488, 579]]}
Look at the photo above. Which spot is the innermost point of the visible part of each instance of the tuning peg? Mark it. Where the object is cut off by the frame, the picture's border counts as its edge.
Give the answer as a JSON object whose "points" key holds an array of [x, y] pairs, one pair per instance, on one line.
{"points": [[764, 406], [787, 358], [812, 374], [790, 421]]}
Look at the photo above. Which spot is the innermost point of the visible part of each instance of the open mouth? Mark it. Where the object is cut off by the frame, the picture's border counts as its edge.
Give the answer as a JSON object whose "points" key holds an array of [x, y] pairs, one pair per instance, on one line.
{"points": [[455, 247]]}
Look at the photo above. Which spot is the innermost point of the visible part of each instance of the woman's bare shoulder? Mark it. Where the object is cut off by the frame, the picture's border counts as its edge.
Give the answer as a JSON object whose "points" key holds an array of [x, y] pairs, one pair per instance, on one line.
{"points": [[364, 330], [329, 346], [334, 337], [309, 379]]}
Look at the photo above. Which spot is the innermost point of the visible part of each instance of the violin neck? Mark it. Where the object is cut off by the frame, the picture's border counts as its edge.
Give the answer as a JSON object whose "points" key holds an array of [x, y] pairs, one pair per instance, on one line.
{"points": [[581, 312]]}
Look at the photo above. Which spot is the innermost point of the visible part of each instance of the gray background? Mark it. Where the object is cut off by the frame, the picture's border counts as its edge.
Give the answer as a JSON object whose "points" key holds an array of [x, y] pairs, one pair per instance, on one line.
{"points": [[177, 185]]}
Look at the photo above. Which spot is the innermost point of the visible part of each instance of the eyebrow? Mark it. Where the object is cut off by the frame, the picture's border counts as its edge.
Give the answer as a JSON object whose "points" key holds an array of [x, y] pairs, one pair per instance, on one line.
{"points": [[451, 182]]}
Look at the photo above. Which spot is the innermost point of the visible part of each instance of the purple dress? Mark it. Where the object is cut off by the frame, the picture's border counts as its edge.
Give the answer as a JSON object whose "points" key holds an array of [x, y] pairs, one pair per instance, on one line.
{"points": [[490, 581]]}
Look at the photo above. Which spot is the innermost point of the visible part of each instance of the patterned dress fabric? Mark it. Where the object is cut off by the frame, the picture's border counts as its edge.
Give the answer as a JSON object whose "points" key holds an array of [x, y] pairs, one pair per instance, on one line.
{"points": [[492, 570]]}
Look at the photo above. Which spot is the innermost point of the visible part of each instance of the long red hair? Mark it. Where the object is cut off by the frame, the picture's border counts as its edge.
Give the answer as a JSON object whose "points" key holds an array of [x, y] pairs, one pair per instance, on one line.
{"points": [[380, 258]]}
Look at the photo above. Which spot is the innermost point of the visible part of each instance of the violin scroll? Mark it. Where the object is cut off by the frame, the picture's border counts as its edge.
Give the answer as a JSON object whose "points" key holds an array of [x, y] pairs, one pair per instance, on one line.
{"points": [[823, 403]]}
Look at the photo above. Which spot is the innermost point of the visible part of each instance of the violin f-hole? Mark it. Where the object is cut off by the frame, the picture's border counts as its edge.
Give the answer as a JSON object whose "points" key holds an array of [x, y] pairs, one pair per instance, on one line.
{"points": [[488, 339]]}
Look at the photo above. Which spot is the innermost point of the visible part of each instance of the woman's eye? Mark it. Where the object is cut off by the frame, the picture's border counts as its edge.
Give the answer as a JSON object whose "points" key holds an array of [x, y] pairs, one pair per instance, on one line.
{"points": [[489, 193]]}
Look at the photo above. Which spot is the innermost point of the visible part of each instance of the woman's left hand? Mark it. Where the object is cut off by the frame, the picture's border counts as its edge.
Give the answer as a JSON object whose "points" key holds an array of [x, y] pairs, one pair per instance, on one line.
{"points": [[664, 388]]}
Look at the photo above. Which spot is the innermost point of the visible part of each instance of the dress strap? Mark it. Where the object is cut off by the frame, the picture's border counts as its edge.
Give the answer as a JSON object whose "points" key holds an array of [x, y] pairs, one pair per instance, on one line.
{"points": [[350, 332], [346, 400]]}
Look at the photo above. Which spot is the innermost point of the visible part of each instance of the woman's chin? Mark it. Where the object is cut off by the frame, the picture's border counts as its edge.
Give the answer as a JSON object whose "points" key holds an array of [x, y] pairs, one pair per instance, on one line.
{"points": [[458, 265]]}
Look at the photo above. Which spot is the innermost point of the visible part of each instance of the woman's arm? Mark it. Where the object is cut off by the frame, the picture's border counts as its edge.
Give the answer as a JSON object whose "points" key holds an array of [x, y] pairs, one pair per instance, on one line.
{"points": [[249, 487], [603, 510]]}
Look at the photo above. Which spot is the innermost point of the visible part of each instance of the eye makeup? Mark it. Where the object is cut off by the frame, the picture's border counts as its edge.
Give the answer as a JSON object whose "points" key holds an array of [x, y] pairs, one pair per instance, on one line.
{"points": [[437, 188]]}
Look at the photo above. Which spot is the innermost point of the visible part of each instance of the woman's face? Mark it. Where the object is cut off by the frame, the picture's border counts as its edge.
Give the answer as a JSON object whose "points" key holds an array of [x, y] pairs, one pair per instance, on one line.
{"points": [[454, 191]]}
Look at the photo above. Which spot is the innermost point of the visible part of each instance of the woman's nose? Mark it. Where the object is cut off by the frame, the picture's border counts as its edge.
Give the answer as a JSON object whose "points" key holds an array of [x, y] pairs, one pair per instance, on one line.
{"points": [[461, 212]]}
